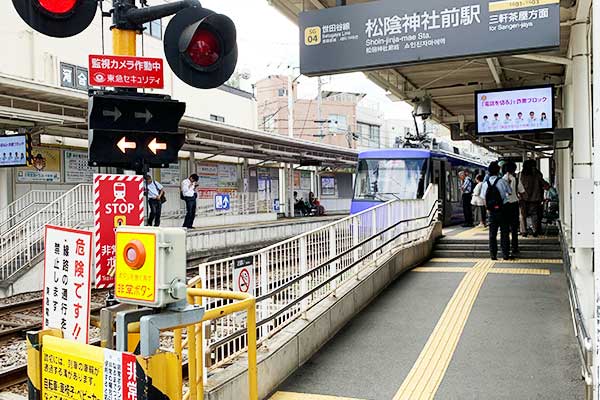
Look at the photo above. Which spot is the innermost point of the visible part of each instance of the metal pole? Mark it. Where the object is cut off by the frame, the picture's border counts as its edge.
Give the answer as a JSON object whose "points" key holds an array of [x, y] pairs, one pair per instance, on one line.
{"points": [[290, 107], [319, 107], [596, 175]]}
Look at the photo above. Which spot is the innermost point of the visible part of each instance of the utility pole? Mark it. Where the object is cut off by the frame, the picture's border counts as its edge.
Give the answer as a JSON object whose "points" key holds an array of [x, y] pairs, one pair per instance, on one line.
{"points": [[319, 105], [290, 106]]}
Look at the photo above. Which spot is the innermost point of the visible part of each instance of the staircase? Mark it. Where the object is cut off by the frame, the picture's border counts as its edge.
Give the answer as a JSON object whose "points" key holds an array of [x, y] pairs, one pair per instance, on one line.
{"points": [[448, 247], [25, 206], [22, 245]]}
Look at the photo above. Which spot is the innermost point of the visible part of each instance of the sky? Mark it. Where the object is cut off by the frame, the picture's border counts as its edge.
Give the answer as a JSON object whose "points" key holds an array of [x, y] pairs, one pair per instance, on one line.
{"points": [[268, 44]]}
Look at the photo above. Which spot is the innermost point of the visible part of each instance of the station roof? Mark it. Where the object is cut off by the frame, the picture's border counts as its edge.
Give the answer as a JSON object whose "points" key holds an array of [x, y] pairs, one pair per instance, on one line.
{"points": [[63, 112], [452, 84]]}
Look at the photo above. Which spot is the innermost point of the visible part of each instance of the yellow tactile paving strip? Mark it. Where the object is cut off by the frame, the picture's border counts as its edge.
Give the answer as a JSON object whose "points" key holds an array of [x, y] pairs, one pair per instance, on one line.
{"points": [[305, 396], [426, 375], [508, 271], [517, 261]]}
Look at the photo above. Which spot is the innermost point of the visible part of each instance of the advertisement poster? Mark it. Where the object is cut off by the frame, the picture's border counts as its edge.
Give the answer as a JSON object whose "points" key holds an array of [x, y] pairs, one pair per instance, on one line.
{"points": [[45, 167], [67, 266], [13, 151], [170, 175], [328, 186], [228, 176], [217, 178], [515, 110], [76, 167], [118, 200]]}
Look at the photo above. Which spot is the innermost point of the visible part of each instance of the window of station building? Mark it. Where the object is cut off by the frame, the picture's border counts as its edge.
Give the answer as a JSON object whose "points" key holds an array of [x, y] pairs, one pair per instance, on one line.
{"points": [[338, 123], [370, 135], [154, 29], [282, 92], [217, 118], [375, 135]]}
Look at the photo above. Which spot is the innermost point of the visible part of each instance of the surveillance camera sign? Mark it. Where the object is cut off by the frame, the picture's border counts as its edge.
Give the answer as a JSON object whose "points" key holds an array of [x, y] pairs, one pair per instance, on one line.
{"points": [[118, 201]]}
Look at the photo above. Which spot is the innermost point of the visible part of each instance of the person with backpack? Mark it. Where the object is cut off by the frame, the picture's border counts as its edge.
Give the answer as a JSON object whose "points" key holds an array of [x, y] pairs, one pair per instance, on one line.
{"points": [[495, 191], [467, 187]]}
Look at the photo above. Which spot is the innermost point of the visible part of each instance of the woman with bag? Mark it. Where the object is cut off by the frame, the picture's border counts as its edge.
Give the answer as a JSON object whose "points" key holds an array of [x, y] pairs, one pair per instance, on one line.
{"points": [[156, 197]]}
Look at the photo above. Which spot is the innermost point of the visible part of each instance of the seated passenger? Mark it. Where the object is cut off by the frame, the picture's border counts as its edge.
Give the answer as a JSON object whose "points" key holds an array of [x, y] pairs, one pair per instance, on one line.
{"points": [[300, 206], [315, 204]]}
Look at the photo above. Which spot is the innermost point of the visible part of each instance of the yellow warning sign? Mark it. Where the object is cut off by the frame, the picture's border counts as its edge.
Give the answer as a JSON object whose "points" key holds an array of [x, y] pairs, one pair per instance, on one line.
{"points": [[312, 36], [71, 370], [135, 276], [516, 4]]}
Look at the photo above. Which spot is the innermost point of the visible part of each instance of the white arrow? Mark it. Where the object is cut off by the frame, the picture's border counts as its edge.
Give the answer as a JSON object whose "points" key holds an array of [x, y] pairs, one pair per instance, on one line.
{"points": [[147, 115], [155, 146], [116, 114], [124, 145]]}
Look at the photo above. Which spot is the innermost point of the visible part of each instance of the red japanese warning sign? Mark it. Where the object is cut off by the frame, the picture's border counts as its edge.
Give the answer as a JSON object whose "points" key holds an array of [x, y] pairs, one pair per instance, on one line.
{"points": [[124, 71], [242, 275], [118, 201], [67, 287]]}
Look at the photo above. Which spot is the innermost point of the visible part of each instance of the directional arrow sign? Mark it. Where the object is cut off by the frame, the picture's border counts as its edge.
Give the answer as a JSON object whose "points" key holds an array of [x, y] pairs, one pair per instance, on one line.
{"points": [[124, 145], [147, 115], [135, 113], [132, 150], [155, 146], [115, 114]]}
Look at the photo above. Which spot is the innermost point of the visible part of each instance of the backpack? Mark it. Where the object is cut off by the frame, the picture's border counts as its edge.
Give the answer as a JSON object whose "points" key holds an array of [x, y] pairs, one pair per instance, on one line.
{"points": [[493, 199]]}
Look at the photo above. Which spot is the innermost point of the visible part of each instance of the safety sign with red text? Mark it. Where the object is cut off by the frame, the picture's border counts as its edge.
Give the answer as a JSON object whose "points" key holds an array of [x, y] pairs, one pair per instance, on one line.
{"points": [[126, 71], [67, 287], [118, 201], [243, 273]]}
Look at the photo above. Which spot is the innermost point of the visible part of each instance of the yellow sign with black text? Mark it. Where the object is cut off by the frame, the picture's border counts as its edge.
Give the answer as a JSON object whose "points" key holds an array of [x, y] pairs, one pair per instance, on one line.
{"points": [[135, 275], [312, 36]]}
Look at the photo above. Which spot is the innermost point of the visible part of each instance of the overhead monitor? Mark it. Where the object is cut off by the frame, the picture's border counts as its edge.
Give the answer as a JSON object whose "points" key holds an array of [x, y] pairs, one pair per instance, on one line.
{"points": [[527, 109], [13, 151]]}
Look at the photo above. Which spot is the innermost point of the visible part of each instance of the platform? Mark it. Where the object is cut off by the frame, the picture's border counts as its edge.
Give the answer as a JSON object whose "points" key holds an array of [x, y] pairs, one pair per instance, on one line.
{"points": [[454, 328]]}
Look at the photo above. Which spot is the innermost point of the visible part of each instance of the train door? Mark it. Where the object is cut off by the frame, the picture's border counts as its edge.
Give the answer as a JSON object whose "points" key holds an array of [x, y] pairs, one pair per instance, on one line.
{"points": [[439, 178]]}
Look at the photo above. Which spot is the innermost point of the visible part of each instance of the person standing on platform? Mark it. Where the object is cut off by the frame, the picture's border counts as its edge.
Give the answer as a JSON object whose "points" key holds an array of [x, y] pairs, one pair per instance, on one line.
{"points": [[512, 205], [155, 195], [189, 195], [495, 191], [467, 195], [479, 202], [533, 182]]}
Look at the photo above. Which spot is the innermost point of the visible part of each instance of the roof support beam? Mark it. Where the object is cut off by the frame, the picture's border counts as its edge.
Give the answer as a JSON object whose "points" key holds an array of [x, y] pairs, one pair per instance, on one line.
{"points": [[496, 71], [318, 4], [545, 58]]}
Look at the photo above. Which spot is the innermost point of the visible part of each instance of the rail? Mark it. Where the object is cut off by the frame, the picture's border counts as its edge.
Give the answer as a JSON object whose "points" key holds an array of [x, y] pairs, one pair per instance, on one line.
{"points": [[292, 276], [24, 242], [240, 204], [583, 338], [25, 206]]}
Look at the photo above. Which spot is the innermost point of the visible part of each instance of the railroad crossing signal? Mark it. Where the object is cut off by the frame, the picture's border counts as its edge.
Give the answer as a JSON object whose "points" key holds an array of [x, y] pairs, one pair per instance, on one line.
{"points": [[200, 46], [57, 18]]}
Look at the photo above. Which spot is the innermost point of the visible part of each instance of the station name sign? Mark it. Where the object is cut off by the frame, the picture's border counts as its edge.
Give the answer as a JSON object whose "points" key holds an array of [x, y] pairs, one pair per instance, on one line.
{"points": [[390, 33]]}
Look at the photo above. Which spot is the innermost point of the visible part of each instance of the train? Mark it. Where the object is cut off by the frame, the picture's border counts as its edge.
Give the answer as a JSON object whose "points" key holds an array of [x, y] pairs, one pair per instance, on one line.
{"points": [[388, 174]]}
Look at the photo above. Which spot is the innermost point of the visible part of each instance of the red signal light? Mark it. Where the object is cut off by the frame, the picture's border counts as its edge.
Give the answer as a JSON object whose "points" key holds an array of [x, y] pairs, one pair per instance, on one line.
{"points": [[204, 49], [58, 6]]}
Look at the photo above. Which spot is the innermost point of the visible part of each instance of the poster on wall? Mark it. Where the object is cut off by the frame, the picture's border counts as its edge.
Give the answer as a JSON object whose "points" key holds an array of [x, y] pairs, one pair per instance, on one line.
{"points": [[328, 186], [77, 169], [305, 180], [216, 178], [170, 175], [45, 167], [228, 176]]}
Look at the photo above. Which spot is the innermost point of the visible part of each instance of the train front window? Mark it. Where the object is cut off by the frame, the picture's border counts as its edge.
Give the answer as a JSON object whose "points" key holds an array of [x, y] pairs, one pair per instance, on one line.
{"points": [[385, 180]]}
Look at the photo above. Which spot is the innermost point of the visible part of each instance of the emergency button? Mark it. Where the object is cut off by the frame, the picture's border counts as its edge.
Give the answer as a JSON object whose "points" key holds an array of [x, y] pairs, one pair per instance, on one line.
{"points": [[134, 254]]}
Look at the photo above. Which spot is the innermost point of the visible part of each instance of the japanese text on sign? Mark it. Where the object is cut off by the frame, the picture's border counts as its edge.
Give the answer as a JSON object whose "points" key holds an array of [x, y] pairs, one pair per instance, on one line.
{"points": [[67, 264], [122, 71], [136, 284]]}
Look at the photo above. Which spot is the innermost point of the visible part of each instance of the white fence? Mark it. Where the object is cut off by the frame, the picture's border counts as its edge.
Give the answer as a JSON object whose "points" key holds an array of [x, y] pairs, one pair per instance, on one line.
{"points": [[241, 204], [290, 277], [26, 205], [22, 243]]}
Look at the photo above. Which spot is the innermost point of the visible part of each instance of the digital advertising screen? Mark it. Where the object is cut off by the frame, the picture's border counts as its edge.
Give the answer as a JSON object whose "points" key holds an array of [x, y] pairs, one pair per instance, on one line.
{"points": [[515, 110], [13, 151]]}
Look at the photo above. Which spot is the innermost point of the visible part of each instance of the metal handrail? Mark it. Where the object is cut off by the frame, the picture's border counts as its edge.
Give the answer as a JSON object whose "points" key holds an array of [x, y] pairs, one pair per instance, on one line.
{"points": [[294, 275], [583, 338], [25, 206]]}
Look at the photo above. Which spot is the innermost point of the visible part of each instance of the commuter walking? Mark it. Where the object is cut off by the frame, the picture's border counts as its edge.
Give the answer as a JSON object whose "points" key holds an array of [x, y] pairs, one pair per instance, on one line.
{"points": [[156, 197], [512, 205], [467, 195], [479, 202], [188, 194], [533, 183], [495, 191]]}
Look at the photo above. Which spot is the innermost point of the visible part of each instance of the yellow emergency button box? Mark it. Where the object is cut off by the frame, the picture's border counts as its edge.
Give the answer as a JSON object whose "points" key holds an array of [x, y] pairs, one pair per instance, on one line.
{"points": [[150, 265]]}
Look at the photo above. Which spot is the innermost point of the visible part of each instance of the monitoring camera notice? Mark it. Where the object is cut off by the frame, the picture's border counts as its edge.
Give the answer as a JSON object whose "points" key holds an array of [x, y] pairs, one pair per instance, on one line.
{"points": [[389, 32]]}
